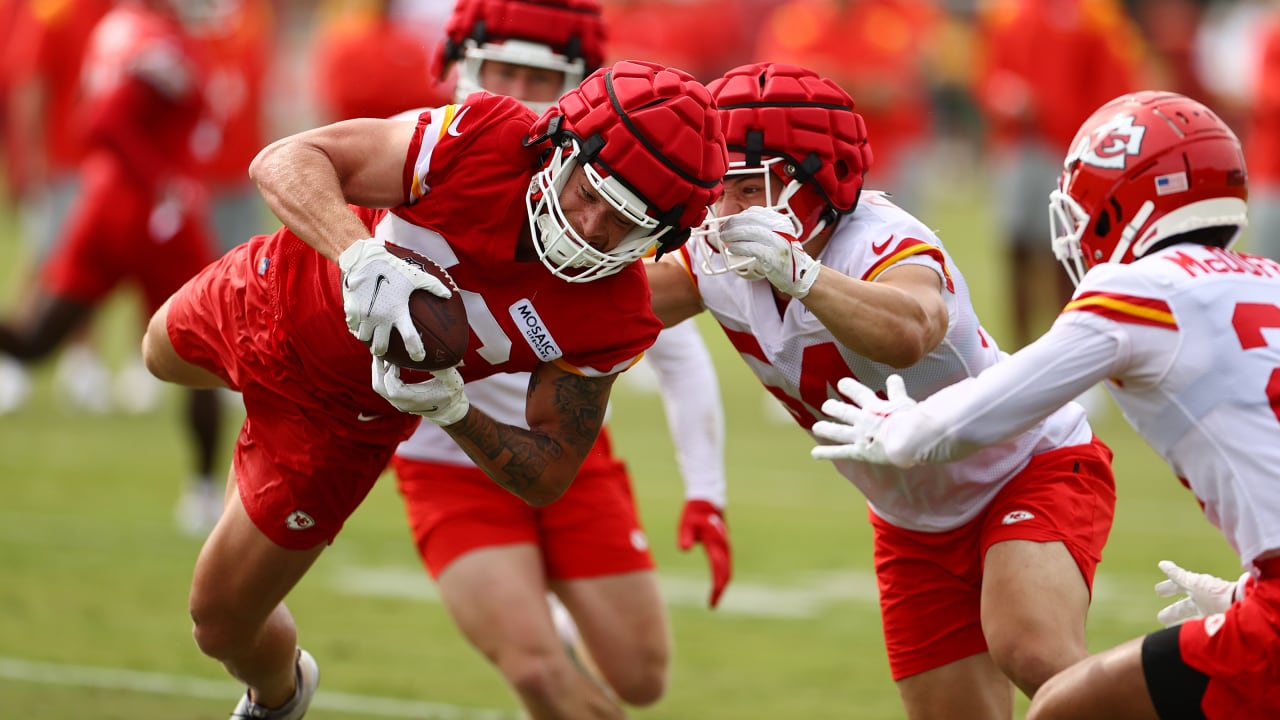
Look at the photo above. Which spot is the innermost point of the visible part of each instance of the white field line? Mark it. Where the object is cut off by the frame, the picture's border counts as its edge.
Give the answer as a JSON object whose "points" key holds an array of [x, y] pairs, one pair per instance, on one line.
{"points": [[807, 596], [19, 670]]}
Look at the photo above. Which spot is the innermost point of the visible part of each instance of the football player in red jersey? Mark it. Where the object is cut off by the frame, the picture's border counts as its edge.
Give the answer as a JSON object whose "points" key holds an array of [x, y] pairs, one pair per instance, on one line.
{"points": [[539, 220], [984, 565], [1152, 196], [487, 549], [138, 215]]}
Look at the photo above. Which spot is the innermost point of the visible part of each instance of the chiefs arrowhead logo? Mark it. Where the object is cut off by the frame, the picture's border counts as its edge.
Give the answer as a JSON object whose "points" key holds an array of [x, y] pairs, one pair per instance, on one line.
{"points": [[1110, 144]]}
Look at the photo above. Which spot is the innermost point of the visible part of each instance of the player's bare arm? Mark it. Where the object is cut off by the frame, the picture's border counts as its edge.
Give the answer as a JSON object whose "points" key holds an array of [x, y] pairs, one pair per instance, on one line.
{"points": [[564, 412], [896, 320], [307, 179], [675, 297]]}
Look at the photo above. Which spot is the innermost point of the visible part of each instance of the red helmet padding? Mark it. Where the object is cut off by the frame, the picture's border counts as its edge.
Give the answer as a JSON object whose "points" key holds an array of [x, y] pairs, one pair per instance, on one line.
{"points": [[574, 28], [799, 114], [1180, 135], [666, 144]]}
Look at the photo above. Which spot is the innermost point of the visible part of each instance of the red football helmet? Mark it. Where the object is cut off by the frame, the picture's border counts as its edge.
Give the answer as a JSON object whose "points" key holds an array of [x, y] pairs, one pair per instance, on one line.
{"points": [[563, 35], [649, 140], [1143, 168], [796, 128]]}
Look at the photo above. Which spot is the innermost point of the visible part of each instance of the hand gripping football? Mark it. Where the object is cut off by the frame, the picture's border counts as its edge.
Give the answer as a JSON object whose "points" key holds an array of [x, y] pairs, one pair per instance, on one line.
{"points": [[441, 322]]}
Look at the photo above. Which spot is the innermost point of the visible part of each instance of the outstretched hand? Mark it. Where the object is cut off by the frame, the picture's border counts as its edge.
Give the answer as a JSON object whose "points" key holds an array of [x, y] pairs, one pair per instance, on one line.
{"points": [[703, 523], [1205, 594], [857, 423]]}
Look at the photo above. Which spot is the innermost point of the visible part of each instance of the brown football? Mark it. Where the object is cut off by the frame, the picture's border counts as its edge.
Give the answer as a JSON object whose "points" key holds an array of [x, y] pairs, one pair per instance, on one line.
{"points": [[441, 322]]}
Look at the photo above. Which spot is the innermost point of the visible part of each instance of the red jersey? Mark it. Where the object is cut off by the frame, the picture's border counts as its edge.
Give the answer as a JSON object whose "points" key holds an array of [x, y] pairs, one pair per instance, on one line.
{"points": [[466, 176], [46, 47], [1050, 63], [372, 67], [143, 82], [1262, 140], [239, 60]]}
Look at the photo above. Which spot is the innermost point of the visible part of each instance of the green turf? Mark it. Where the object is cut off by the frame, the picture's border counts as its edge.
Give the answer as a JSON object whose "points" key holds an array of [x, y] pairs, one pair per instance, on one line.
{"points": [[93, 574]]}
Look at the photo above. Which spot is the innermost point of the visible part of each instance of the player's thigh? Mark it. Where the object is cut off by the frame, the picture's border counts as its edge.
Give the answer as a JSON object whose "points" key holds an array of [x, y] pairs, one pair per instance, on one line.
{"points": [[623, 622], [497, 598], [241, 575], [972, 688], [1108, 685], [1034, 598], [163, 360]]}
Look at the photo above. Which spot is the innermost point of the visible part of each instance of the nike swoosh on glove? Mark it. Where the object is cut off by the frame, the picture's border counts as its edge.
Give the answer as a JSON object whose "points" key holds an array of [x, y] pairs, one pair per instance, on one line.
{"points": [[441, 399], [375, 295], [765, 235], [703, 523], [856, 426]]}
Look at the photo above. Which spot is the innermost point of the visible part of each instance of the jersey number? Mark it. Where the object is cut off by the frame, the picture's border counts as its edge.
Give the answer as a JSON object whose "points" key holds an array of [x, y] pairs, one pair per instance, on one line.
{"points": [[1249, 320]]}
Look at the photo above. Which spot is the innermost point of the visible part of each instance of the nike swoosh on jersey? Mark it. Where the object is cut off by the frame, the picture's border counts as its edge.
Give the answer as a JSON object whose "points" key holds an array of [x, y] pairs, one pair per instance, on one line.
{"points": [[366, 418], [453, 126], [878, 248]]}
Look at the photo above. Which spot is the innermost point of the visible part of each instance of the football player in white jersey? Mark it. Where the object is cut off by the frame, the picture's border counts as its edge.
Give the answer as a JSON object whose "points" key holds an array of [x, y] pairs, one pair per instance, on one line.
{"points": [[984, 565], [493, 556], [1187, 335]]}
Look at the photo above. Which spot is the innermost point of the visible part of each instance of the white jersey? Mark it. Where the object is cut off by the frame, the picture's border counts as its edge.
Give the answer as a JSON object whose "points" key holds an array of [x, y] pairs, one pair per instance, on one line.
{"points": [[691, 400], [799, 361], [1188, 340]]}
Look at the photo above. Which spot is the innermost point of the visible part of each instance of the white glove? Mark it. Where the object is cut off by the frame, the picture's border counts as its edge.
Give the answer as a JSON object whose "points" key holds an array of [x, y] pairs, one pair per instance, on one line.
{"points": [[858, 424], [765, 235], [1205, 594], [440, 399], [375, 295]]}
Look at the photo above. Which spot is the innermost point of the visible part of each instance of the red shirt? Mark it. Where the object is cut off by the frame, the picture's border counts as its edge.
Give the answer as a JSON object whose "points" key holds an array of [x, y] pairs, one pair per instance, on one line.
{"points": [[874, 49], [369, 67], [239, 61], [1049, 64], [143, 98], [469, 219], [1262, 141]]}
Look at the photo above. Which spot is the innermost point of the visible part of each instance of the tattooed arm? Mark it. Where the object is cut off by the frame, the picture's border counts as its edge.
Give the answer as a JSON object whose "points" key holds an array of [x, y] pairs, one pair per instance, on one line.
{"points": [[564, 412]]}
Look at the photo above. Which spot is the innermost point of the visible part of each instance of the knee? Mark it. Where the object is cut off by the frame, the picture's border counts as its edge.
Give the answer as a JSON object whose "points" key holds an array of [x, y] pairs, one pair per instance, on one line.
{"points": [[1046, 704], [643, 684], [216, 632], [1030, 663], [541, 677]]}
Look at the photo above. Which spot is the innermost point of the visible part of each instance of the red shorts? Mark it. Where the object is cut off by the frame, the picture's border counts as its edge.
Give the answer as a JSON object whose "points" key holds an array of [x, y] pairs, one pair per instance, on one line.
{"points": [[1239, 652], [106, 241], [591, 530], [931, 583], [312, 445]]}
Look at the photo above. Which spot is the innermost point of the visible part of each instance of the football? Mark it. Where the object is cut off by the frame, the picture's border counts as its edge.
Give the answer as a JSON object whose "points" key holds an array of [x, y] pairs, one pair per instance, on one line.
{"points": [[441, 322]]}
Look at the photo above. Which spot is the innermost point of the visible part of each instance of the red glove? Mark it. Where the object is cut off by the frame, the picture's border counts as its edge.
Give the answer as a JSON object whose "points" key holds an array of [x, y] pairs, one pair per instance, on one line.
{"points": [[703, 522]]}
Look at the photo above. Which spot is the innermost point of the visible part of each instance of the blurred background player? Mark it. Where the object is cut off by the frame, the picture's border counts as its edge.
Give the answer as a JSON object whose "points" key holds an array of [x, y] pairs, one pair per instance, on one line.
{"points": [[368, 62], [44, 145], [1186, 334], [138, 215], [490, 551], [1262, 144], [984, 566], [880, 51], [1044, 66]]}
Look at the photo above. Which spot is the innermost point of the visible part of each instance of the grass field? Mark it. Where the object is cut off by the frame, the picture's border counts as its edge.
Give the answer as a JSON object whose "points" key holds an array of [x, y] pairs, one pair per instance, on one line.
{"points": [[93, 575]]}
